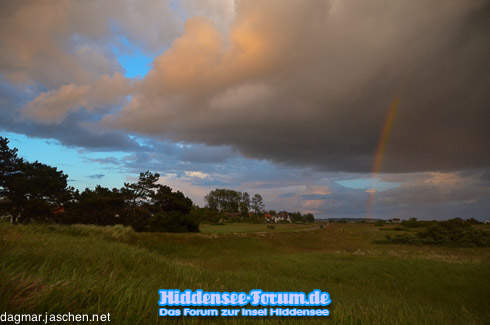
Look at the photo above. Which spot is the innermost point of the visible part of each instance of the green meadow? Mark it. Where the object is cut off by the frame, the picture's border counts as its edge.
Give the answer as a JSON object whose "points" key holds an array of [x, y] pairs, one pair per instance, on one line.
{"points": [[92, 269]]}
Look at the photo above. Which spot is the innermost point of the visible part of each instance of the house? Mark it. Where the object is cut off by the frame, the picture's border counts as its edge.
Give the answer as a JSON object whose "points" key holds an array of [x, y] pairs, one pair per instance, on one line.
{"points": [[282, 216], [269, 218], [396, 220], [59, 209], [486, 222]]}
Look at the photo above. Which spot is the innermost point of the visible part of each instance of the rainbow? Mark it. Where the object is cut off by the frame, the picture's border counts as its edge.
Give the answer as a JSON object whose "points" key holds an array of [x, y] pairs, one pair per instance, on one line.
{"points": [[383, 139]]}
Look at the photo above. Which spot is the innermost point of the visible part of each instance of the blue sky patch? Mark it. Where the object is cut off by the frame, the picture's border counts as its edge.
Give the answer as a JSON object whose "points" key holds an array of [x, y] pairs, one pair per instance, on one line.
{"points": [[135, 63]]}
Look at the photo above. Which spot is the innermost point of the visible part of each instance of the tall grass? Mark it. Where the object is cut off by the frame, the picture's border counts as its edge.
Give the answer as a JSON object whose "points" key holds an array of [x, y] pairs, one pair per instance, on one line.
{"points": [[90, 269]]}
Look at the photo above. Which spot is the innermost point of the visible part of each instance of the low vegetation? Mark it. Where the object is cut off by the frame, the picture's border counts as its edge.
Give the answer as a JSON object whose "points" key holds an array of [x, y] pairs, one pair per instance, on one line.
{"points": [[454, 232], [113, 269]]}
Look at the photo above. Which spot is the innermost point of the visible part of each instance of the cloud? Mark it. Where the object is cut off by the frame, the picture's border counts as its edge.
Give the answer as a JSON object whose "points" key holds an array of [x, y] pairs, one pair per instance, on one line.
{"points": [[96, 176], [221, 12], [196, 174], [286, 99], [311, 83], [60, 57], [421, 195], [436, 188], [65, 42], [53, 106]]}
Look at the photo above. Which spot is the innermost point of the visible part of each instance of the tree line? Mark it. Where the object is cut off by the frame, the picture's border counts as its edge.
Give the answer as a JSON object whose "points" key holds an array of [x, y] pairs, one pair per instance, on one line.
{"points": [[230, 201], [38, 192], [238, 206]]}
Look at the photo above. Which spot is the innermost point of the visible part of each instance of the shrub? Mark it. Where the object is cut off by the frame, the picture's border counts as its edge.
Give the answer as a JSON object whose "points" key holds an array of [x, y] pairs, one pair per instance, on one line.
{"points": [[173, 222], [139, 219], [379, 223], [454, 232], [403, 239], [398, 228]]}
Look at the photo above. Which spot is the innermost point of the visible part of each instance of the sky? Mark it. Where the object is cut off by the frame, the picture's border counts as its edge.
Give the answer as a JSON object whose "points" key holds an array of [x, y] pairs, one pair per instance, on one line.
{"points": [[365, 109]]}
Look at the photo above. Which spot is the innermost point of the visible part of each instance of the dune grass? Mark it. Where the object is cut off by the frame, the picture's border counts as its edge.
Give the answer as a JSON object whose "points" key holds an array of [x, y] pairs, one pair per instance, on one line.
{"points": [[91, 269]]}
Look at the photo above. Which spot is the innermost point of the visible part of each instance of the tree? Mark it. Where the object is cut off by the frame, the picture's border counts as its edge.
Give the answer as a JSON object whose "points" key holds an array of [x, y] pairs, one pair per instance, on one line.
{"points": [[296, 217], [139, 199], [173, 222], [211, 201], [32, 191], [100, 206], [8, 168], [245, 204], [165, 200], [229, 201], [171, 212], [257, 204], [410, 223], [205, 214], [309, 217], [223, 200], [155, 207], [35, 191], [141, 192], [9, 162], [43, 189]]}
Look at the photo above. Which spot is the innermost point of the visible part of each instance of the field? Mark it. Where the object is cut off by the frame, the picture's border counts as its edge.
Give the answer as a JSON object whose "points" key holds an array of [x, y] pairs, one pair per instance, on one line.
{"points": [[91, 269], [235, 228]]}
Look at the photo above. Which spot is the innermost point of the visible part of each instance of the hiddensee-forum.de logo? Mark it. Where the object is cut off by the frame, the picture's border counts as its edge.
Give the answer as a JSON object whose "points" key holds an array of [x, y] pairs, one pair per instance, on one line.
{"points": [[256, 297]]}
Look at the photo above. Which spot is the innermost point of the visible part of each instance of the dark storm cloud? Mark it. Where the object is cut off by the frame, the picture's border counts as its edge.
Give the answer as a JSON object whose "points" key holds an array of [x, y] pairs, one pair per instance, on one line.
{"points": [[71, 134], [310, 83]]}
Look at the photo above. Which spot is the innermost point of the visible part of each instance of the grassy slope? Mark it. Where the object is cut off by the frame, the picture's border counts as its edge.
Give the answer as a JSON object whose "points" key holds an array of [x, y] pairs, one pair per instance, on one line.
{"points": [[88, 269]]}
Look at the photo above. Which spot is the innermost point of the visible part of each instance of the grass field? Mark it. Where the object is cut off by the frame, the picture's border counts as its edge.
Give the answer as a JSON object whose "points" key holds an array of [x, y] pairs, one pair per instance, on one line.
{"points": [[90, 269], [251, 227]]}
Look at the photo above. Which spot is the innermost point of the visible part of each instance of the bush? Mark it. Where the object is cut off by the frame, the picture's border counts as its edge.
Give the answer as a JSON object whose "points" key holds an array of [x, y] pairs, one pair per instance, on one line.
{"points": [[379, 223], [398, 228], [139, 219], [404, 239], [206, 215], [173, 222], [454, 232], [410, 223]]}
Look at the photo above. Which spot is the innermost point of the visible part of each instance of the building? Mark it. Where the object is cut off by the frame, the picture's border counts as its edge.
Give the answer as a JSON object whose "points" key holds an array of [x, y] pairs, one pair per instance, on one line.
{"points": [[269, 218], [282, 216]]}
